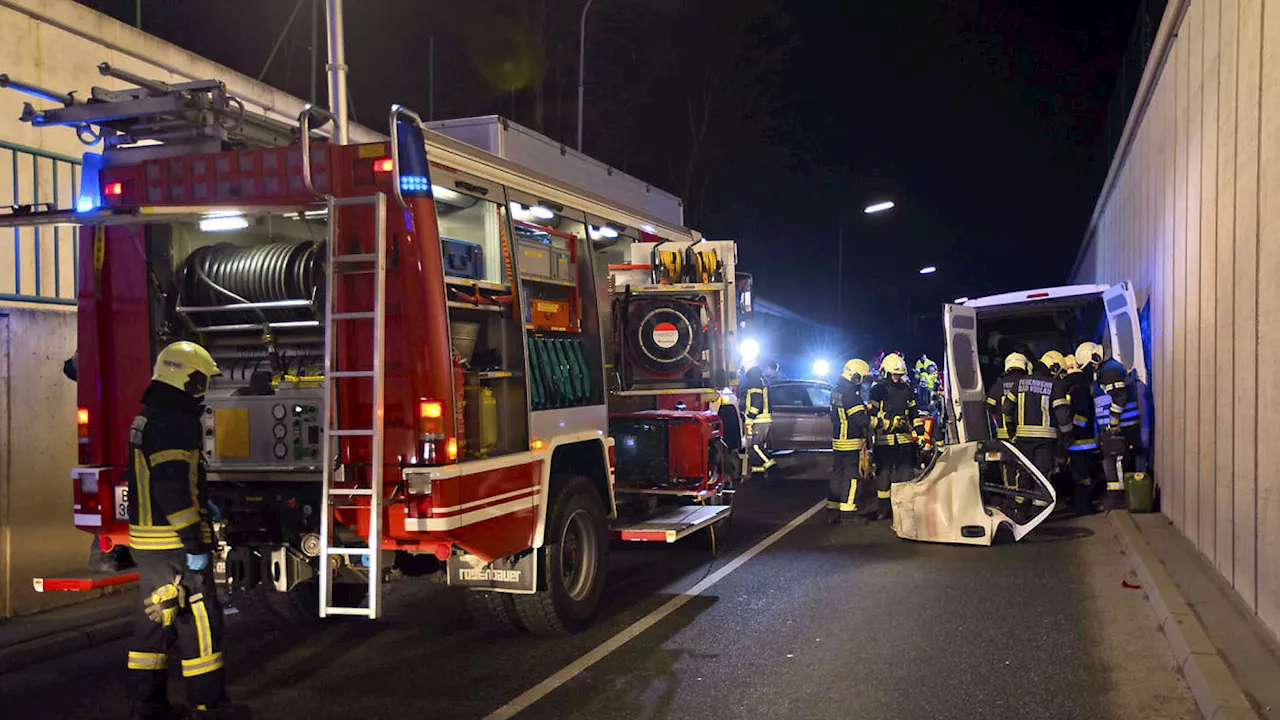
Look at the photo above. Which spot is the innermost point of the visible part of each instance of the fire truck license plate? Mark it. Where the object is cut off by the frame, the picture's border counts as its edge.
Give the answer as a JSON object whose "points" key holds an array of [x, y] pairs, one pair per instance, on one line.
{"points": [[506, 574], [122, 503]]}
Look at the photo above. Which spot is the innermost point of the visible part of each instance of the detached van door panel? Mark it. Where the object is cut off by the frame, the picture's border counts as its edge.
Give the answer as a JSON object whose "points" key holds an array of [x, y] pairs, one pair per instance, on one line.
{"points": [[965, 390], [1126, 333]]}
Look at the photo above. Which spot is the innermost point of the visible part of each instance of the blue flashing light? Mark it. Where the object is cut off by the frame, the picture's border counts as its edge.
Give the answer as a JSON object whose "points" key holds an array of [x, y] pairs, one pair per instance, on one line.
{"points": [[90, 195], [416, 185]]}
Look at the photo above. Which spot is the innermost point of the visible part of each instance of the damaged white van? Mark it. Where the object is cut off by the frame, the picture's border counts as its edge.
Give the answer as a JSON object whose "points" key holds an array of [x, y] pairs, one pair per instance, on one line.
{"points": [[949, 501]]}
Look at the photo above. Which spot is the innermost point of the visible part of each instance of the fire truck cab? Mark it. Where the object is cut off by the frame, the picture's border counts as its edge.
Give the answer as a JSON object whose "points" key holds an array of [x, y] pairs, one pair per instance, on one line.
{"points": [[421, 347]]}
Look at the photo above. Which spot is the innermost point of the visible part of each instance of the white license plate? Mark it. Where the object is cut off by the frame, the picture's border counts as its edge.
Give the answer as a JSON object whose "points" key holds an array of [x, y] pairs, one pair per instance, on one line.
{"points": [[122, 503]]}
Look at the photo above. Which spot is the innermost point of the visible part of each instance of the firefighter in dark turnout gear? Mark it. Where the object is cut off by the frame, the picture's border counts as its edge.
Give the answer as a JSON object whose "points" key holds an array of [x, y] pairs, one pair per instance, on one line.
{"points": [[1082, 449], [1037, 413], [1016, 367], [892, 412], [759, 420], [1118, 419], [847, 496], [171, 537]]}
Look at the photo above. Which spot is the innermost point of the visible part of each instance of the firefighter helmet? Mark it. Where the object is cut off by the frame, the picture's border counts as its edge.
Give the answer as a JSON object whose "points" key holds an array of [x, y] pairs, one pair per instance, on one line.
{"points": [[1069, 364], [1053, 360], [893, 364], [186, 366], [1017, 361], [856, 370], [1089, 353]]}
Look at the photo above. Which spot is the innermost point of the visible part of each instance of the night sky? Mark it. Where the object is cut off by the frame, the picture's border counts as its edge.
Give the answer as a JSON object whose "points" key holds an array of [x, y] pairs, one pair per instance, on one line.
{"points": [[777, 121]]}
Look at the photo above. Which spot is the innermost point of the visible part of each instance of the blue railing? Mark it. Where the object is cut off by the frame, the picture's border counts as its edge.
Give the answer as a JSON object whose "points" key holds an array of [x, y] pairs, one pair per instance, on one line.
{"points": [[43, 265]]}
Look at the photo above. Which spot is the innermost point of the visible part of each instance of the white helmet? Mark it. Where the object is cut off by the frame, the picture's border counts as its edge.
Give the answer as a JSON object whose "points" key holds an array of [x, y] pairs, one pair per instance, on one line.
{"points": [[1017, 361], [1070, 365], [1088, 353]]}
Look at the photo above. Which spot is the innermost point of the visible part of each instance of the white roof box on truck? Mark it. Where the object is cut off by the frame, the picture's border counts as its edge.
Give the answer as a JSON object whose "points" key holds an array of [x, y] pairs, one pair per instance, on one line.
{"points": [[520, 145]]}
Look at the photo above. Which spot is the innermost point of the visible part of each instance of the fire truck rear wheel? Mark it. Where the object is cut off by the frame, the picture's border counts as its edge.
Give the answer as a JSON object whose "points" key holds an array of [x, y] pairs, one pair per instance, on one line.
{"points": [[493, 611], [572, 562]]}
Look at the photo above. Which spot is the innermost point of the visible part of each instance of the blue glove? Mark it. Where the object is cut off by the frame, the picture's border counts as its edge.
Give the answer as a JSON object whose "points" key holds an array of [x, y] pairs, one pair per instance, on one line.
{"points": [[215, 512], [197, 562]]}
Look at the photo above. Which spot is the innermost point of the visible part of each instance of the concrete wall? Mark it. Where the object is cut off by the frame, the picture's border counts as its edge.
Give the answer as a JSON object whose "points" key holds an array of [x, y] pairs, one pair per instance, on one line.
{"points": [[1191, 215], [37, 451]]}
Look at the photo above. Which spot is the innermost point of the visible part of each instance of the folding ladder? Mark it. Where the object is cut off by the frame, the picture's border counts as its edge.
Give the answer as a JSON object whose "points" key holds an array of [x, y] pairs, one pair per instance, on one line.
{"points": [[340, 488]]}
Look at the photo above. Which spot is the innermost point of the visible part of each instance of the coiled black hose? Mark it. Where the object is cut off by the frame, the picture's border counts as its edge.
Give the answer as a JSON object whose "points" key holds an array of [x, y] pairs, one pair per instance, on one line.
{"points": [[227, 274]]}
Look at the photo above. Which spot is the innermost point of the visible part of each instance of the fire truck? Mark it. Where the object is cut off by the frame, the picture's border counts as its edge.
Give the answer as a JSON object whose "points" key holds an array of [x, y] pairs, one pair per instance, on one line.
{"points": [[433, 360]]}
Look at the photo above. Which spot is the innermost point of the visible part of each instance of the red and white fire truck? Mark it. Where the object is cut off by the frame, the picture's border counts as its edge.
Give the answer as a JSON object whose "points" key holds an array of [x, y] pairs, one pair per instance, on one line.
{"points": [[433, 360]]}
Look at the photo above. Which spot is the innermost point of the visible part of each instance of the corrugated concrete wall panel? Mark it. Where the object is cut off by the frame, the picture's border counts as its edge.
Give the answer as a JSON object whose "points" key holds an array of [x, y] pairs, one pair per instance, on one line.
{"points": [[1224, 344], [1191, 216], [1268, 503]]}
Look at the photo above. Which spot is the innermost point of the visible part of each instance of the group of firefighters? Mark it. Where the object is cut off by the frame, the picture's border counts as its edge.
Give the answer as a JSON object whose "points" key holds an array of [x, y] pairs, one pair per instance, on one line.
{"points": [[1073, 409]]}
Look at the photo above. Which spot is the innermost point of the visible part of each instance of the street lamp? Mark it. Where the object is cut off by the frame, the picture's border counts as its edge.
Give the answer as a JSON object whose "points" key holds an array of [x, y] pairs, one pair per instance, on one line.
{"points": [[582, 58], [928, 270], [873, 209], [962, 299]]}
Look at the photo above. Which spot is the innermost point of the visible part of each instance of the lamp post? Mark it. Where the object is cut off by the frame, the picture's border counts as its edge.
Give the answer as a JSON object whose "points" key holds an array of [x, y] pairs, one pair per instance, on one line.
{"points": [[582, 58], [873, 209]]}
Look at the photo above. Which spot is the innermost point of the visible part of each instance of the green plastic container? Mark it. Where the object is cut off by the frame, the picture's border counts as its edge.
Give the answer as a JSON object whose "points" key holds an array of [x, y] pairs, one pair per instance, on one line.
{"points": [[1139, 490]]}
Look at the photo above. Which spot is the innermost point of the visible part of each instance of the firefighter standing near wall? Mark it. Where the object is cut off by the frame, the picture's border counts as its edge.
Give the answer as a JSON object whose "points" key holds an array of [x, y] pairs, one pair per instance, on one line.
{"points": [[847, 496], [1082, 449], [171, 537], [759, 420], [1117, 416], [1036, 414], [892, 409]]}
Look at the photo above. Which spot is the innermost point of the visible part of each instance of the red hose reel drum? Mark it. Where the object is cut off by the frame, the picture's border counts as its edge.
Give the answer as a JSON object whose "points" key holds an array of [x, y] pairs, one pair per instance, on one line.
{"points": [[665, 338]]}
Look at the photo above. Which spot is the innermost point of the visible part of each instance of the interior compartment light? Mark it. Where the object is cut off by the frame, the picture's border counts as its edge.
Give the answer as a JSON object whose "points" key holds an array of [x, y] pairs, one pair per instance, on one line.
{"points": [[648, 228], [603, 232], [542, 213], [223, 222], [447, 195]]}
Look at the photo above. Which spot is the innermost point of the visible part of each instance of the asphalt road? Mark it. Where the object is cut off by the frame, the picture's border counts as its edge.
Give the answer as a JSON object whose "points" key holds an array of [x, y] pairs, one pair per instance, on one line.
{"points": [[828, 622]]}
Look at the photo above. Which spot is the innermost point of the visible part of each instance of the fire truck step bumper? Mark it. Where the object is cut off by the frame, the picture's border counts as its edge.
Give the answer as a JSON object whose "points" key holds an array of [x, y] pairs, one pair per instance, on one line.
{"points": [[84, 580], [671, 525]]}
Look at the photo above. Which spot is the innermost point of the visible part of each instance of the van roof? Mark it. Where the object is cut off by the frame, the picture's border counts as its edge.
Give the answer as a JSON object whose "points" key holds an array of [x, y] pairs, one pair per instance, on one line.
{"points": [[1053, 293]]}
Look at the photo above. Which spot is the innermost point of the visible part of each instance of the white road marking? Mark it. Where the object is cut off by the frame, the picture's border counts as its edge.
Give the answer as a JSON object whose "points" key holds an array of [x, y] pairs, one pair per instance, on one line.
{"points": [[568, 672]]}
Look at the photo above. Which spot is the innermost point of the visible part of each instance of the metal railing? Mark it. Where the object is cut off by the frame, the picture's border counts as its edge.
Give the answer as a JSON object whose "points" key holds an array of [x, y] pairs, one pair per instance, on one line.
{"points": [[45, 259]]}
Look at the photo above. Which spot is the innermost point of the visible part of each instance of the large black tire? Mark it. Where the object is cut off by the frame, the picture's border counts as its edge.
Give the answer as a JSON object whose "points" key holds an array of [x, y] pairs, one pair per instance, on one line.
{"points": [[572, 562], [493, 611]]}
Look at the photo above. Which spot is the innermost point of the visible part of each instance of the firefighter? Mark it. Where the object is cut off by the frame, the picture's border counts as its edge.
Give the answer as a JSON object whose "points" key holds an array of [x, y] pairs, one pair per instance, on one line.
{"points": [[1117, 417], [759, 420], [846, 495], [172, 539], [892, 410], [1036, 413], [1055, 362], [1016, 367], [1082, 450]]}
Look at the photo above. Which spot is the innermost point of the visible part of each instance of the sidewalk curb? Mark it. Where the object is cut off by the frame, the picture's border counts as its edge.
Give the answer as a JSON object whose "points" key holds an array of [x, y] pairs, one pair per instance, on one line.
{"points": [[25, 654], [1217, 692]]}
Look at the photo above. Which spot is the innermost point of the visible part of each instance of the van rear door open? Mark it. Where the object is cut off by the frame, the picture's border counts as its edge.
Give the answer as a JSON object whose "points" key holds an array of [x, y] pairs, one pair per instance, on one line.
{"points": [[1126, 335], [965, 390]]}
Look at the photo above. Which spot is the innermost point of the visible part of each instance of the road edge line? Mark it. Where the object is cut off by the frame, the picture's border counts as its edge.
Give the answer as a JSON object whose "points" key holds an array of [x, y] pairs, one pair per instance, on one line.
{"points": [[601, 651], [1218, 694]]}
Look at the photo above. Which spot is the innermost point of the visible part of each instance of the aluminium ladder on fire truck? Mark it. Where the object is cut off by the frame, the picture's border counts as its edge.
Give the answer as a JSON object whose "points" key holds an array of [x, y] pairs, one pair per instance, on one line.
{"points": [[336, 374]]}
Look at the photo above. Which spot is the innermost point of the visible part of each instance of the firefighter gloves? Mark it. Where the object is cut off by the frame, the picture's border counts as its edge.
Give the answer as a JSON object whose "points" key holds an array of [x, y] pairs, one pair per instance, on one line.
{"points": [[165, 602]]}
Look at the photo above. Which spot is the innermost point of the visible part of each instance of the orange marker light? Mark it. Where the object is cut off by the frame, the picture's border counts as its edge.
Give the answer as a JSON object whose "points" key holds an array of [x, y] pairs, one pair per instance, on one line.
{"points": [[537, 444], [430, 409], [82, 416], [452, 449], [113, 189], [382, 165]]}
